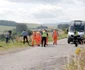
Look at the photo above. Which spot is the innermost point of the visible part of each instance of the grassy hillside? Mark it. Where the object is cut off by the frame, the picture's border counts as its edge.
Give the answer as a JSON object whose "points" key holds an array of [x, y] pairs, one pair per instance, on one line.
{"points": [[33, 25], [4, 28], [7, 23]]}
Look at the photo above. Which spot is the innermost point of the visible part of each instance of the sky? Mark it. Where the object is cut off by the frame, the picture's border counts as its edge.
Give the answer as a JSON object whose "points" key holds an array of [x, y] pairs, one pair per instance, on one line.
{"points": [[42, 11]]}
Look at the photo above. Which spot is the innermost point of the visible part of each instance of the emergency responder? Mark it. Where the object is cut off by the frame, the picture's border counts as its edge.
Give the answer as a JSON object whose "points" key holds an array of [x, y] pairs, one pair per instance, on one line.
{"points": [[76, 37], [47, 38], [38, 38], [55, 37], [33, 38], [44, 36]]}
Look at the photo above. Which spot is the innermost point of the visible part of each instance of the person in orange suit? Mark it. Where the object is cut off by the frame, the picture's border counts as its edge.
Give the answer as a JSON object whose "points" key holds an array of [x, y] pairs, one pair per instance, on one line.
{"points": [[38, 38], [33, 38], [55, 37]]}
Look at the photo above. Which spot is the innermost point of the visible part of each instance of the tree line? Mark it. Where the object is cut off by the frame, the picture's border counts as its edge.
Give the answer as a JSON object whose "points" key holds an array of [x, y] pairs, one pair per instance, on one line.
{"points": [[7, 23]]}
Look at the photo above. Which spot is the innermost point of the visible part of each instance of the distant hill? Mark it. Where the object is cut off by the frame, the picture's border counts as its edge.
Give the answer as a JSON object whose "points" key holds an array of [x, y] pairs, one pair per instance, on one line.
{"points": [[54, 25], [33, 25], [30, 25], [42, 27], [13, 24], [7, 23]]}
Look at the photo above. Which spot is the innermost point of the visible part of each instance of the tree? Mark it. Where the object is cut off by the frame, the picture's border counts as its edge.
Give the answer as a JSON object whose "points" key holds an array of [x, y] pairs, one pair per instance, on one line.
{"points": [[42, 27], [7, 23], [21, 27], [63, 26]]}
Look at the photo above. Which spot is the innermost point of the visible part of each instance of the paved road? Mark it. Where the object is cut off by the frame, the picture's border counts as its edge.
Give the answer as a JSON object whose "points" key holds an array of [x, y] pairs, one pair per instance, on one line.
{"points": [[38, 58]]}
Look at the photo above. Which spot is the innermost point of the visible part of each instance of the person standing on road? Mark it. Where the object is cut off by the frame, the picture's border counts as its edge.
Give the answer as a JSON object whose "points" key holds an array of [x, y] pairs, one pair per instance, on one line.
{"points": [[25, 38], [47, 38], [38, 38], [33, 38], [55, 37], [44, 36]]}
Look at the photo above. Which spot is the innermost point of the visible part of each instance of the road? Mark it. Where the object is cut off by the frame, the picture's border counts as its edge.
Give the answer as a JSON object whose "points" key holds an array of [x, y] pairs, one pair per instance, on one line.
{"points": [[38, 58]]}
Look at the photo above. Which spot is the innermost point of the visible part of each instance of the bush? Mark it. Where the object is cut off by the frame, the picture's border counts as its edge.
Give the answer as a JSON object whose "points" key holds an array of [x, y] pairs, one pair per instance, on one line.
{"points": [[21, 27], [2, 37]]}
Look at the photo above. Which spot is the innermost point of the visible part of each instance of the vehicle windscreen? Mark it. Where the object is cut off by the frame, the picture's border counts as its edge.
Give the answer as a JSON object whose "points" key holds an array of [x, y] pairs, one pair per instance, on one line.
{"points": [[78, 26]]}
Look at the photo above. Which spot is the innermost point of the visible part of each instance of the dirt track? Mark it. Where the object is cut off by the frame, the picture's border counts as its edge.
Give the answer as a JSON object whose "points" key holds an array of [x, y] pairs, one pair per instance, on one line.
{"points": [[38, 58]]}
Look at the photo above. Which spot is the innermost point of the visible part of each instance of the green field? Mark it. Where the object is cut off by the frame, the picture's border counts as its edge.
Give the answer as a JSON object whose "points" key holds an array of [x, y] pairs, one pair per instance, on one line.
{"points": [[5, 28], [33, 25], [11, 45]]}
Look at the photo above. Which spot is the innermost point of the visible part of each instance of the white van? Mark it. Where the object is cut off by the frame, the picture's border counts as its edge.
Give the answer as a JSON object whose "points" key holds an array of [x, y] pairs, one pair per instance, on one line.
{"points": [[77, 25]]}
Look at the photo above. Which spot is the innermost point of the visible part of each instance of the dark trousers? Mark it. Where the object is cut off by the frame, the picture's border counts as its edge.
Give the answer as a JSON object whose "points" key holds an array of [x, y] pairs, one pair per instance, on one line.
{"points": [[7, 39], [25, 39], [43, 42]]}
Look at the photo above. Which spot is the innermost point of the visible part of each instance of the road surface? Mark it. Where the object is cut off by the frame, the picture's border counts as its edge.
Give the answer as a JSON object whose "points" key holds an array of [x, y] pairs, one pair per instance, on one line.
{"points": [[38, 58]]}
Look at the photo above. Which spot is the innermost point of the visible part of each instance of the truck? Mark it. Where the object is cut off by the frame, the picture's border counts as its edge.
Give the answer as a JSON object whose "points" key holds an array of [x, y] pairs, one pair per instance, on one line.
{"points": [[79, 26]]}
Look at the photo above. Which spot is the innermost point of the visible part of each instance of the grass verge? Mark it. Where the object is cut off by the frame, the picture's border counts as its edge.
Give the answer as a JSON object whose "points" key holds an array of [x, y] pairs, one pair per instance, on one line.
{"points": [[59, 37], [15, 45], [77, 62], [12, 45]]}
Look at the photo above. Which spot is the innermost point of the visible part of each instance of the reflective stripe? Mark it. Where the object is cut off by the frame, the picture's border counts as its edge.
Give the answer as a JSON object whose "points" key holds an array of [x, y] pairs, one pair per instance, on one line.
{"points": [[44, 34], [55, 34]]}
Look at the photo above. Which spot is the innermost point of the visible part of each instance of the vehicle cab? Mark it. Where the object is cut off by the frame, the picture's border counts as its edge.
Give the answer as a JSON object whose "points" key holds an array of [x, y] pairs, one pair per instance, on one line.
{"points": [[79, 26]]}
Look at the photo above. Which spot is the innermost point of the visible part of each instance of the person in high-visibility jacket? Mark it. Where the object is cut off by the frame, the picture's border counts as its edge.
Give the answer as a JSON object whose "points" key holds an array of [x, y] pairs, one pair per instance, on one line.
{"points": [[33, 38], [55, 37], [44, 36], [75, 33], [76, 37], [38, 38], [47, 38]]}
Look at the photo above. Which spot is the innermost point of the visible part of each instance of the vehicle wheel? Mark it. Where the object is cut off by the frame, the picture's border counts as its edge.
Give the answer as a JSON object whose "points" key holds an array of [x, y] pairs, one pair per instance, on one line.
{"points": [[68, 42], [76, 44]]}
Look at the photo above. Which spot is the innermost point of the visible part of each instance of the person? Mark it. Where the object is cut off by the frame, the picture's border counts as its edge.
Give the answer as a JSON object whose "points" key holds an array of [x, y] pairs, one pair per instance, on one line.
{"points": [[10, 35], [33, 38], [55, 37], [38, 38], [25, 38], [44, 36], [47, 38], [75, 37], [75, 33], [7, 37]]}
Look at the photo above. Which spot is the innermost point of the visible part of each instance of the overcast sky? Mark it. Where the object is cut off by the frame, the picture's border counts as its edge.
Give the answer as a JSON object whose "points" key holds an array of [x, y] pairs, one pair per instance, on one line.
{"points": [[42, 11]]}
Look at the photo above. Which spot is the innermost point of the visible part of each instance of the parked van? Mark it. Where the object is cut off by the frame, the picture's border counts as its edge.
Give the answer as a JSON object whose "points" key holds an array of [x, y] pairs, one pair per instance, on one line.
{"points": [[79, 26]]}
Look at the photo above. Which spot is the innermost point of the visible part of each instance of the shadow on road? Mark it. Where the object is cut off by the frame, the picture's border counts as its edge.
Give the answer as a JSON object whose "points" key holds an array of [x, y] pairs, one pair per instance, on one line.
{"points": [[51, 45]]}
